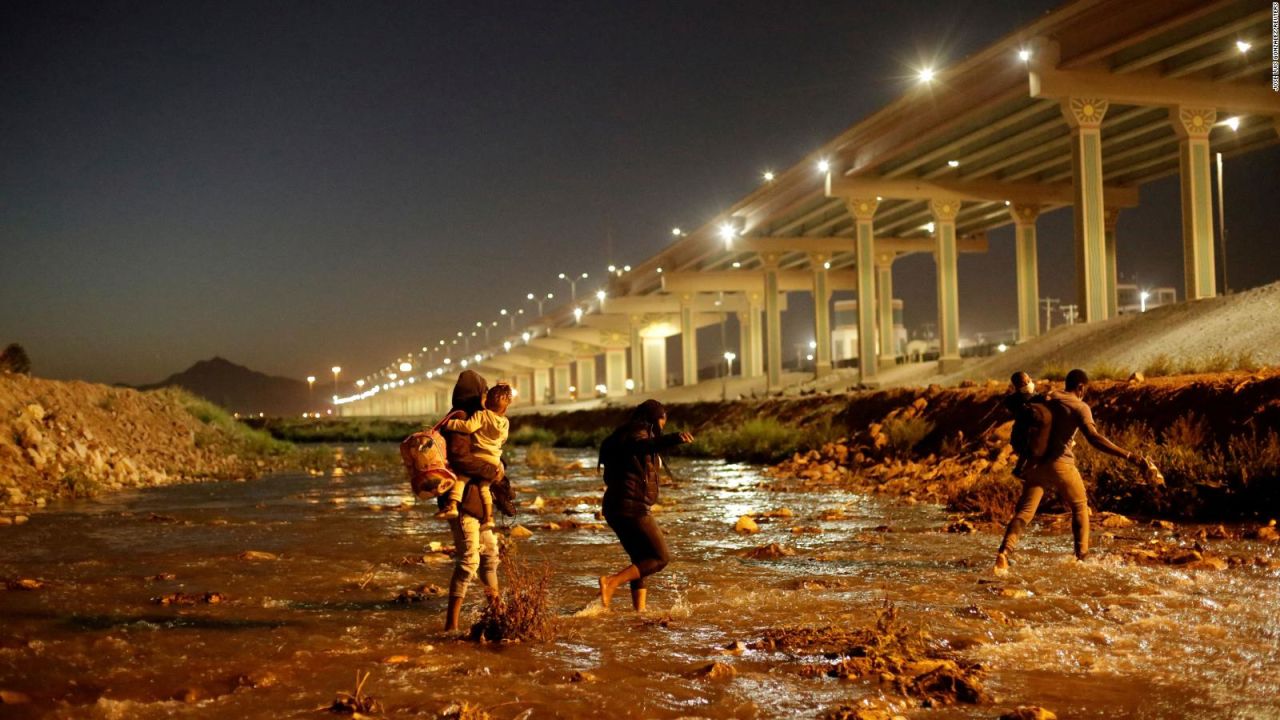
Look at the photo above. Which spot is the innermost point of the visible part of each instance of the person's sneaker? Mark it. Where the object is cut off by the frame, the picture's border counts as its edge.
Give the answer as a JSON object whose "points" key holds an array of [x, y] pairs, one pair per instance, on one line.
{"points": [[1002, 564], [448, 513]]}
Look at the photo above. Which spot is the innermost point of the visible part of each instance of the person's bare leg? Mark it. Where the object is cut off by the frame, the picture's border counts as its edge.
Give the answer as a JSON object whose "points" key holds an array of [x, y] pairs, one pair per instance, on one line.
{"points": [[610, 583], [638, 597], [454, 613]]}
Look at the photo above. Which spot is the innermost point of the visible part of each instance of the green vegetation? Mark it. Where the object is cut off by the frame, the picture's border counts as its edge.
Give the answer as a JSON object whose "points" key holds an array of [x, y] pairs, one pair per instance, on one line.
{"points": [[1205, 477], [759, 440], [532, 435], [1054, 370], [582, 439], [338, 430], [246, 439], [1107, 371], [78, 485]]}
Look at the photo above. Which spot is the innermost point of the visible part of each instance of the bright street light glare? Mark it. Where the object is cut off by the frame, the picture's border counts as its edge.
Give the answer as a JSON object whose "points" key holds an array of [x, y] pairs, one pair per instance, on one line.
{"points": [[405, 367], [926, 75], [1243, 46], [768, 176], [1024, 54], [1233, 123], [824, 166]]}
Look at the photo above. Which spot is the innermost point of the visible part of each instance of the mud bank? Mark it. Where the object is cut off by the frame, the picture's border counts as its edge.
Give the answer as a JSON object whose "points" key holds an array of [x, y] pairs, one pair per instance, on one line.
{"points": [[1212, 435], [74, 439]]}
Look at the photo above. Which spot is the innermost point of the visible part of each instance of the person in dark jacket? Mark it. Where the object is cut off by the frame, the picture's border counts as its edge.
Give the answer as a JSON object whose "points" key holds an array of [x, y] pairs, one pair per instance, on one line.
{"points": [[631, 458], [476, 548]]}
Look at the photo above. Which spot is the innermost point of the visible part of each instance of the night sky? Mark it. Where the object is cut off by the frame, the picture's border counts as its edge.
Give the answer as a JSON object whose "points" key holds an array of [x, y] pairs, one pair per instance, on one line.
{"points": [[294, 185]]}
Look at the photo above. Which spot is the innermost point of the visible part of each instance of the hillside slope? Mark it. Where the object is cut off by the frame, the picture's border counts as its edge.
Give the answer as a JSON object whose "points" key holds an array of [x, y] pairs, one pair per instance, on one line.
{"points": [[245, 391], [1208, 334]]}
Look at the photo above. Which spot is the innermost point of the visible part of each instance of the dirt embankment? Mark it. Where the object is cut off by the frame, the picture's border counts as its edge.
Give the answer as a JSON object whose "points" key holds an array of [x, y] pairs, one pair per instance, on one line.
{"points": [[1214, 436], [74, 439]]}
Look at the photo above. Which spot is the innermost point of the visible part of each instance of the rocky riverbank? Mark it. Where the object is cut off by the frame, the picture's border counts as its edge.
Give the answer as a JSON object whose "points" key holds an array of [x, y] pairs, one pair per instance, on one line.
{"points": [[1212, 435], [74, 439]]}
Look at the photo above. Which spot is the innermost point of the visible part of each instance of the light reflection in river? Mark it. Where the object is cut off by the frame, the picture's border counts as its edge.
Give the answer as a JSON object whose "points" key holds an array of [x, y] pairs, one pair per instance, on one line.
{"points": [[1097, 640]]}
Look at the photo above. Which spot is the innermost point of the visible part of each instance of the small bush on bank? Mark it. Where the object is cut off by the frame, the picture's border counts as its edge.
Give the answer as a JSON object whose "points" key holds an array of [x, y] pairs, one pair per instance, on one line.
{"points": [[532, 435], [759, 440], [582, 438], [1054, 370], [1159, 366], [1107, 371], [993, 497], [247, 439], [538, 457], [904, 433], [1245, 362]]}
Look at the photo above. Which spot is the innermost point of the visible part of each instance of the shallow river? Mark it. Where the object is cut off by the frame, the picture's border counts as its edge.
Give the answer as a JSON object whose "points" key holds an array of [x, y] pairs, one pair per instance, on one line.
{"points": [[1102, 639]]}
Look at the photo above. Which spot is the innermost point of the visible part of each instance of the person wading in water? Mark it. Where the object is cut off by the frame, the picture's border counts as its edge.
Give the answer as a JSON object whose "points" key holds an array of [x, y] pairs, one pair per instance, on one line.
{"points": [[1056, 469], [631, 457], [476, 548]]}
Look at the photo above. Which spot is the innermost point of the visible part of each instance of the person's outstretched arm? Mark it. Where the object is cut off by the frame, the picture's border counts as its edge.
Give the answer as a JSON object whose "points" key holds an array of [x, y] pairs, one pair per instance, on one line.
{"points": [[656, 443], [1100, 441], [469, 427]]}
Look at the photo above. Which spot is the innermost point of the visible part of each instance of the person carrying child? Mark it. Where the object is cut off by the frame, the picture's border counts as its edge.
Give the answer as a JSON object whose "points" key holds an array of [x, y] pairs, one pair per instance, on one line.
{"points": [[488, 430]]}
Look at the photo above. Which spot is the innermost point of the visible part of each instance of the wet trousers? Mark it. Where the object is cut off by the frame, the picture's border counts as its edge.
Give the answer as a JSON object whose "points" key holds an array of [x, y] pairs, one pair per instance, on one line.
{"points": [[476, 551], [1064, 479], [642, 540]]}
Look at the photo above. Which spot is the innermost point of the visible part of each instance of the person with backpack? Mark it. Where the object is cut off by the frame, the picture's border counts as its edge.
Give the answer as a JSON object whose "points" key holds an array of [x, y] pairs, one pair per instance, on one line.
{"points": [[631, 457], [1050, 462], [476, 547], [1031, 420]]}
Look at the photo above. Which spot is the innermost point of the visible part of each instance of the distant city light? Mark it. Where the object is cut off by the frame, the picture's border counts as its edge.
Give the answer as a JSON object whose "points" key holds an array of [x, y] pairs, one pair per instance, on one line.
{"points": [[601, 389], [577, 313], [601, 295], [359, 383], [953, 163], [405, 367], [1243, 46], [728, 232], [613, 268], [1002, 347], [768, 176], [925, 75], [659, 271], [392, 376], [676, 231], [630, 384], [824, 166], [737, 264], [826, 265], [1024, 54]]}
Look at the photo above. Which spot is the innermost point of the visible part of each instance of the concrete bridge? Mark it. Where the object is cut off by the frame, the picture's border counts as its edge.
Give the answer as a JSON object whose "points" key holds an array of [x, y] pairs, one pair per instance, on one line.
{"points": [[1078, 109]]}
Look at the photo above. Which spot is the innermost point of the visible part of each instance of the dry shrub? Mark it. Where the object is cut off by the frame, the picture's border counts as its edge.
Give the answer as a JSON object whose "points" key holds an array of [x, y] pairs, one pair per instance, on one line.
{"points": [[1054, 370], [1159, 366], [538, 457], [464, 711], [1188, 431], [522, 611], [1107, 371], [1246, 362], [993, 497], [904, 433]]}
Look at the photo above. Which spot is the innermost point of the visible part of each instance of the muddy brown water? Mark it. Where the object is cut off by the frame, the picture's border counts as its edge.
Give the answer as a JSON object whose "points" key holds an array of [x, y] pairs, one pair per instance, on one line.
{"points": [[1102, 639]]}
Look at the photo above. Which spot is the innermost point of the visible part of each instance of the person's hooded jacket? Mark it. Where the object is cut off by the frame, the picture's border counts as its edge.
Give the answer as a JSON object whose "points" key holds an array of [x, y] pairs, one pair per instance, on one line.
{"points": [[632, 458], [468, 398]]}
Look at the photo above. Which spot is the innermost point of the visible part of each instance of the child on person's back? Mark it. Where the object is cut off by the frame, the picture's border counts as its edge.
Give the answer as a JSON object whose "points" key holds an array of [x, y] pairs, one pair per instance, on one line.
{"points": [[488, 429]]}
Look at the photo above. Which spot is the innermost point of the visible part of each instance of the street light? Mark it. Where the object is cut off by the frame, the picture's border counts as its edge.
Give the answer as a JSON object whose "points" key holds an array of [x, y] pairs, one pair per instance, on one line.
{"points": [[1142, 300], [406, 367], [729, 357], [311, 381], [335, 370], [573, 284], [535, 298]]}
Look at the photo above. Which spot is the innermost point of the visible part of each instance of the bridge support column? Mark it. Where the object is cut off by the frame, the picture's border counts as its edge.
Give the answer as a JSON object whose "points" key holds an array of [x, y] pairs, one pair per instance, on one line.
{"points": [[751, 356], [586, 376], [864, 212], [655, 364], [1024, 224], [1084, 115], [615, 372], [884, 308], [637, 356], [541, 386], [1192, 126], [561, 379], [1109, 219], [821, 314], [773, 321], [688, 342], [944, 222]]}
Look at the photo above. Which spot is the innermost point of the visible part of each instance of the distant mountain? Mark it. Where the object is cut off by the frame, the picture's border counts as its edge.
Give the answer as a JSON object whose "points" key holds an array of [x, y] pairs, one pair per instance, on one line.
{"points": [[248, 392]]}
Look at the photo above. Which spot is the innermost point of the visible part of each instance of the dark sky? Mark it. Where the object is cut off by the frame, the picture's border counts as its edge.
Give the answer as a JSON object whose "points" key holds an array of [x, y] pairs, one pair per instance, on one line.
{"points": [[294, 185]]}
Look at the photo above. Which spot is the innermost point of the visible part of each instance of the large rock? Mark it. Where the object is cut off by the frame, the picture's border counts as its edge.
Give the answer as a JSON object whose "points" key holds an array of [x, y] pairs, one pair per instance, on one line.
{"points": [[746, 526]]}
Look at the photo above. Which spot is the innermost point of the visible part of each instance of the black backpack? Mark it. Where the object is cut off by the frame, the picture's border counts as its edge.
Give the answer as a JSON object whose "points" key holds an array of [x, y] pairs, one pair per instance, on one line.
{"points": [[1032, 423]]}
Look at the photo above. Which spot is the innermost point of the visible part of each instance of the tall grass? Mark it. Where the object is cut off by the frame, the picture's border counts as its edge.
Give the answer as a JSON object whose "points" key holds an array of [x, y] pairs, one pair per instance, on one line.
{"points": [[523, 611], [759, 440], [220, 424], [532, 435], [904, 433], [1159, 366]]}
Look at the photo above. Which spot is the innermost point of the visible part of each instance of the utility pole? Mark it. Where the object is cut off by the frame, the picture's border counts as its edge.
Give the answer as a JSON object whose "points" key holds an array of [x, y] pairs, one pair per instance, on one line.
{"points": [[1048, 304], [1069, 313]]}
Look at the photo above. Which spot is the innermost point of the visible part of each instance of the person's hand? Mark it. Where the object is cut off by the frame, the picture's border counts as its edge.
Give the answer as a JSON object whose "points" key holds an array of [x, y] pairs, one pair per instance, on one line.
{"points": [[686, 438]]}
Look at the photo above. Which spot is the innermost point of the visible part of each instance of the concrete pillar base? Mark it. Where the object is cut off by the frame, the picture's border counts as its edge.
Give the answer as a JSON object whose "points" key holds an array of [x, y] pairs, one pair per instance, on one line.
{"points": [[821, 370], [948, 365], [888, 361]]}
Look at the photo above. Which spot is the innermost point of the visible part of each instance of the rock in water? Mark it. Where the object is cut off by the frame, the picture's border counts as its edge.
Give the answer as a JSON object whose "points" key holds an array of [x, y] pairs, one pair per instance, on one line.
{"points": [[716, 671], [1030, 712], [520, 532], [257, 555], [746, 526]]}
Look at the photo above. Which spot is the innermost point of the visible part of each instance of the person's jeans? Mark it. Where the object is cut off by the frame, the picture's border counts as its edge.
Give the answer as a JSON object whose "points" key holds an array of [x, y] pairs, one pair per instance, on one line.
{"points": [[1062, 477], [475, 550]]}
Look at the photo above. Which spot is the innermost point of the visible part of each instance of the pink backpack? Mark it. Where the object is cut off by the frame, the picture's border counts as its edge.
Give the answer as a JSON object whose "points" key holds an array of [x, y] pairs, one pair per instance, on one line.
{"points": [[426, 462]]}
